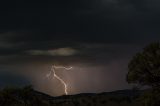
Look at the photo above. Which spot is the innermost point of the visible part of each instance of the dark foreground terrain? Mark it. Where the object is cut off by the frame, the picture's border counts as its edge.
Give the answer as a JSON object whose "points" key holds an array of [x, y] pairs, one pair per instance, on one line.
{"points": [[29, 97]]}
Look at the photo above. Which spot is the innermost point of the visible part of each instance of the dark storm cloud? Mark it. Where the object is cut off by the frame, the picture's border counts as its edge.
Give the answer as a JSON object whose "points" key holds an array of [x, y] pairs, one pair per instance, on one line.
{"points": [[80, 16], [43, 26]]}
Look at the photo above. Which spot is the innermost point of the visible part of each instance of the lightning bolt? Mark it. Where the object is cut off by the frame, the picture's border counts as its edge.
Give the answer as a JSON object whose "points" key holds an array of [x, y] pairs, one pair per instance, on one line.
{"points": [[53, 69]]}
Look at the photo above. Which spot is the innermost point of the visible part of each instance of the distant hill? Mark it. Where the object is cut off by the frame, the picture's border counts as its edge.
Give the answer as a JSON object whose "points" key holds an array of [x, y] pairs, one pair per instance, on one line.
{"points": [[29, 97], [8, 78]]}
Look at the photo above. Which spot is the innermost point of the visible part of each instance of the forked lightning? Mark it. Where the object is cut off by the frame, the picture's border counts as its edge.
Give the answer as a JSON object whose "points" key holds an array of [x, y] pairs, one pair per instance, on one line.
{"points": [[53, 69]]}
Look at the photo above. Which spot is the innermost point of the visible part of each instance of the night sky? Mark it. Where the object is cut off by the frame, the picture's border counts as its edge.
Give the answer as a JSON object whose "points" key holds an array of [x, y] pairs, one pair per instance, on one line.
{"points": [[96, 37]]}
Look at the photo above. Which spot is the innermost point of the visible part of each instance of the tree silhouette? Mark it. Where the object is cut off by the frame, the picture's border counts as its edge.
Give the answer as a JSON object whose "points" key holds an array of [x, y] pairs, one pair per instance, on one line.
{"points": [[144, 68]]}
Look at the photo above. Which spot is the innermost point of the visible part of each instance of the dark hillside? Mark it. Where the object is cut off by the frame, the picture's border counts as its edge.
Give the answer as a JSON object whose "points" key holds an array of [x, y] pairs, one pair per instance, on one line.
{"points": [[29, 97]]}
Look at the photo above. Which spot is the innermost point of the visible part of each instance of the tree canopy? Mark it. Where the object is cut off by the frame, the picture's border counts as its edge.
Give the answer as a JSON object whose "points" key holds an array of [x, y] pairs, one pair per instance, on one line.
{"points": [[144, 68]]}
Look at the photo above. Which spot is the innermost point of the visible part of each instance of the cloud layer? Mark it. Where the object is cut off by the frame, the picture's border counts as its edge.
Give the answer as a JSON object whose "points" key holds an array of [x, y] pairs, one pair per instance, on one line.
{"points": [[55, 52]]}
